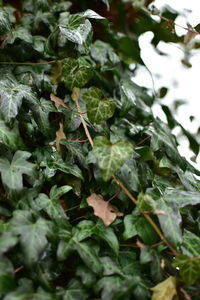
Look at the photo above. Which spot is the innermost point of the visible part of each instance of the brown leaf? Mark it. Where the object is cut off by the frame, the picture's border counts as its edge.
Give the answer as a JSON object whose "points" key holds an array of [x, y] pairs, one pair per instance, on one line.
{"points": [[165, 290], [103, 209], [59, 136], [58, 102]]}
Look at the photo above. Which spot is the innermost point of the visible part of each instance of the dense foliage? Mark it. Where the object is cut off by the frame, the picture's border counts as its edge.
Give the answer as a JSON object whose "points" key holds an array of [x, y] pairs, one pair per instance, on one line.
{"points": [[95, 200]]}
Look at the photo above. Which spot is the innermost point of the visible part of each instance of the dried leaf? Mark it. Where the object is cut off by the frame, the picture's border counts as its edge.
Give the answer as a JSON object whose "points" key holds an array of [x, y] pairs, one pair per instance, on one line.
{"points": [[59, 136], [165, 290], [103, 209], [58, 102]]}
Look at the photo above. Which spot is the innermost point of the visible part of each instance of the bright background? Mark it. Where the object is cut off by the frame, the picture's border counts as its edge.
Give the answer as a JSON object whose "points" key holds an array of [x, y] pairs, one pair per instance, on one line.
{"points": [[168, 71]]}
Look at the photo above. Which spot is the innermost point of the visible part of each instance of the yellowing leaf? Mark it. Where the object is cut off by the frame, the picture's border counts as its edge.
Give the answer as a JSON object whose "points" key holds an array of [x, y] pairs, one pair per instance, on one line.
{"points": [[166, 290], [103, 209], [59, 136]]}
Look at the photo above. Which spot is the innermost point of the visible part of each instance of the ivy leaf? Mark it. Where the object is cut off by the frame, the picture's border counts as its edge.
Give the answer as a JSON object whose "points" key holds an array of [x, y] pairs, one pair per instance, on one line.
{"points": [[170, 203], [74, 74], [189, 268], [75, 291], [10, 136], [191, 243], [11, 96], [7, 281], [11, 172], [33, 234], [98, 109], [7, 241], [89, 256], [103, 209], [138, 225], [111, 156], [103, 53], [52, 205], [166, 290], [5, 25]]}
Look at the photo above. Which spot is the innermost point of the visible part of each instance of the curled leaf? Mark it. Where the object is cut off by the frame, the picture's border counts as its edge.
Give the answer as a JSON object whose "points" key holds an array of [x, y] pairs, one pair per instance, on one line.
{"points": [[103, 209]]}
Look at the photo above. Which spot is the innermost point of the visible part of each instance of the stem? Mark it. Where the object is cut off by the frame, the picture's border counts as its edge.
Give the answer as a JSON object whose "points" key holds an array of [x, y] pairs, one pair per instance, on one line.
{"points": [[168, 20], [75, 97], [28, 63]]}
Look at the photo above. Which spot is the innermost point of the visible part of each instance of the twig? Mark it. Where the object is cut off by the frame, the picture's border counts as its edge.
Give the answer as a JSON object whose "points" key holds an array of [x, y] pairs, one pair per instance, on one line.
{"points": [[190, 29], [28, 63], [18, 269], [75, 97]]}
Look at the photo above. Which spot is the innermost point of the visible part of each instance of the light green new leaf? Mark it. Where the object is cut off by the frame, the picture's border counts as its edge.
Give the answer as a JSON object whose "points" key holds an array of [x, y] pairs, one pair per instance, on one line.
{"points": [[111, 156], [98, 109], [11, 96], [75, 75], [189, 268], [33, 235], [11, 172], [10, 136]]}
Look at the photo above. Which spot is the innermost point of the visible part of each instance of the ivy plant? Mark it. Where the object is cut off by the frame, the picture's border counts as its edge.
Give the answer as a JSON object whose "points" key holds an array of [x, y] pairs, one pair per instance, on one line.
{"points": [[96, 202]]}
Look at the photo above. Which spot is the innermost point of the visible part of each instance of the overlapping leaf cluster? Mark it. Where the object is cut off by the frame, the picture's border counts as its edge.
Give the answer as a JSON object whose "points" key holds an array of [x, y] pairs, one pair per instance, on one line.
{"points": [[52, 245]]}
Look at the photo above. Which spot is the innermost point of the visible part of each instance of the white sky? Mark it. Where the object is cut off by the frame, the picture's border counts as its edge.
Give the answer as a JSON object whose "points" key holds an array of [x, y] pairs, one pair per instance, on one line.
{"points": [[168, 71]]}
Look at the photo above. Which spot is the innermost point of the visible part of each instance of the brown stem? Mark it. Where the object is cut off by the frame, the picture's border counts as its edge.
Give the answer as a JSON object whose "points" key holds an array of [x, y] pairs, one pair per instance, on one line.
{"points": [[28, 63], [169, 20], [75, 97]]}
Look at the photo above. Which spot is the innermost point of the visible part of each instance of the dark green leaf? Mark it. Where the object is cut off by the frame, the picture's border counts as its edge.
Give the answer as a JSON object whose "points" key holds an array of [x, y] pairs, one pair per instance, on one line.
{"points": [[11, 172], [33, 234]]}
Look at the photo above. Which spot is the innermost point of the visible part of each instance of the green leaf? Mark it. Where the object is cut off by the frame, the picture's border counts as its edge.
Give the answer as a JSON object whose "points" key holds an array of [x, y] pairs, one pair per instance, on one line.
{"points": [[83, 230], [7, 241], [98, 109], [33, 234], [170, 204], [52, 206], [75, 291], [189, 268], [7, 281], [11, 172], [5, 25], [111, 156], [116, 287], [74, 74], [56, 192], [89, 256], [11, 136], [138, 225], [103, 53], [65, 246], [170, 220], [191, 244], [11, 96], [108, 235]]}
